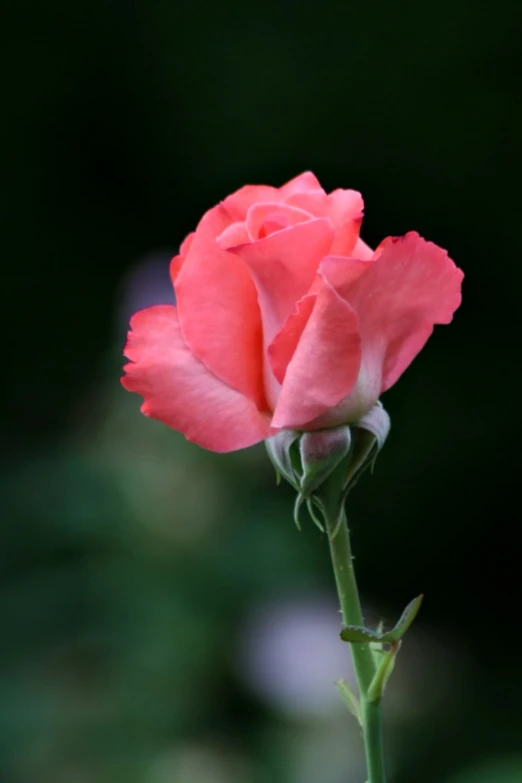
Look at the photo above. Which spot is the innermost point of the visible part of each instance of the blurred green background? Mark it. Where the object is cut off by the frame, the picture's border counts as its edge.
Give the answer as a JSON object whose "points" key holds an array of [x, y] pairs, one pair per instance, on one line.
{"points": [[162, 621]]}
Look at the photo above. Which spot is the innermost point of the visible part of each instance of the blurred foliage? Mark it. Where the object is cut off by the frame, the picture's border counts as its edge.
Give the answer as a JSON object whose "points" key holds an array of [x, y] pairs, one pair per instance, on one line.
{"points": [[131, 561]]}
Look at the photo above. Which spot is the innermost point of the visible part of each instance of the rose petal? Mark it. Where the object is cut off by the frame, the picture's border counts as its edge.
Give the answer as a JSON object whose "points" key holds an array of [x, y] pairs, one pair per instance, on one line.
{"points": [[283, 267], [284, 344], [238, 203], [178, 261], [181, 392], [343, 207], [402, 350], [325, 365], [342, 272], [266, 218], [302, 183], [409, 286], [235, 234], [187, 242], [218, 311], [361, 250]]}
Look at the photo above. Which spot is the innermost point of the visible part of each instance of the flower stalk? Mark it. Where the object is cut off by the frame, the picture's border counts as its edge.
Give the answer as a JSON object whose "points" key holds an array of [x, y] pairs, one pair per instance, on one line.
{"points": [[370, 710]]}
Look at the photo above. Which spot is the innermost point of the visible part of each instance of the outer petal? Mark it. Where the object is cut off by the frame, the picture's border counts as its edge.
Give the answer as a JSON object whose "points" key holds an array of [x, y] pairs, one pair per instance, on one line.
{"points": [[187, 242], [343, 272], [325, 365], [283, 267], [345, 208], [284, 344], [403, 349], [307, 181], [181, 392], [218, 311], [178, 261], [409, 286], [361, 250]]}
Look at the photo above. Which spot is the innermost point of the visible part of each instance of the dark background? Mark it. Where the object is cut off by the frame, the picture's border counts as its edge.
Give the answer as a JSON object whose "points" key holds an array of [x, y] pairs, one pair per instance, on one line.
{"points": [[132, 564]]}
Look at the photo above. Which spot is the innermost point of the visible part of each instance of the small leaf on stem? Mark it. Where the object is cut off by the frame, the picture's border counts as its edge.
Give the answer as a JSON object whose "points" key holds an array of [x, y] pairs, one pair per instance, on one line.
{"points": [[355, 635], [350, 699], [383, 673], [406, 619]]}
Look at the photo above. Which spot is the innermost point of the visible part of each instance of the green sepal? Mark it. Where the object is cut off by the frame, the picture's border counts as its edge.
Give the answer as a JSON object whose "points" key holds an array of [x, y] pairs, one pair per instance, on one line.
{"points": [[279, 448], [368, 436], [320, 452], [313, 514], [350, 699], [297, 507]]}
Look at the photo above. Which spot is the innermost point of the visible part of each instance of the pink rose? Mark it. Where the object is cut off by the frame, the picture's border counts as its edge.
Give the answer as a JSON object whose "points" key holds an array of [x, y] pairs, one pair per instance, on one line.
{"points": [[284, 317]]}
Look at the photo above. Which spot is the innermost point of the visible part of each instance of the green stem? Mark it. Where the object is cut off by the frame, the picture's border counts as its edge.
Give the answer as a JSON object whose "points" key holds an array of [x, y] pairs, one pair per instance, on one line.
{"points": [[362, 656], [342, 561], [372, 722]]}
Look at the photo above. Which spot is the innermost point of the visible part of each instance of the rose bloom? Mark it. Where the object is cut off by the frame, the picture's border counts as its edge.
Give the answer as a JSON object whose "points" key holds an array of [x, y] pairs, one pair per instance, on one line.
{"points": [[285, 318]]}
